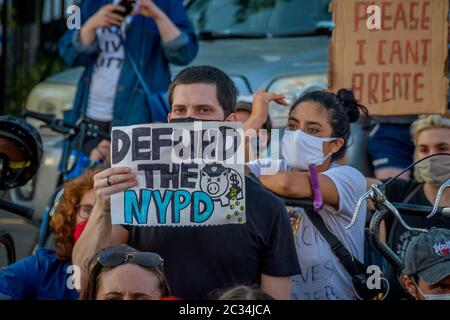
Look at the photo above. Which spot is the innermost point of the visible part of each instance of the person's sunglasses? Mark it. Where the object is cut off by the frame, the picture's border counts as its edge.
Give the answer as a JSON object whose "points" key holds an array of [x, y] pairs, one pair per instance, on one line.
{"points": [[143, 259]]}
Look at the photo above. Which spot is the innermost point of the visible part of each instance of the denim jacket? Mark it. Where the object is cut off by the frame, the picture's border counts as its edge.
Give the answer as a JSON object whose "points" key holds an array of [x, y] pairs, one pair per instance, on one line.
{"points": [[150, 53]]}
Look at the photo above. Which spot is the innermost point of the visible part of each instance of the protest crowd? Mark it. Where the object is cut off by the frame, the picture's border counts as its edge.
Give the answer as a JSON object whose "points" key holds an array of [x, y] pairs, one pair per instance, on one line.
{"points": [[139, 223]]}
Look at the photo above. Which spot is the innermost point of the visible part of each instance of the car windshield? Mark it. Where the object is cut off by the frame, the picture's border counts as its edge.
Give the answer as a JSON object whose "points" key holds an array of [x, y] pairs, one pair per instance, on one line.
{"points": [[259, 17]]}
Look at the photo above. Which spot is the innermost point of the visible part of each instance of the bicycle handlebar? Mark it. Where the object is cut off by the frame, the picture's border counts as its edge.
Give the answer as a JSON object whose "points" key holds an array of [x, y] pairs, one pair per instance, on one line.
{"points": [[378, 217], [47, 118], [383, 207], [410, 209], [438, 200], [51, 121], [418, 210], [22, 211], [64, 128], [383, 248], [379, 199]]}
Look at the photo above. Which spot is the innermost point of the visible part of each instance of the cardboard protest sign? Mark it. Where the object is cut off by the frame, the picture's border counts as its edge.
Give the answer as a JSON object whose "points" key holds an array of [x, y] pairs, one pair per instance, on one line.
{"points": [[189, 174], [398, 69]]}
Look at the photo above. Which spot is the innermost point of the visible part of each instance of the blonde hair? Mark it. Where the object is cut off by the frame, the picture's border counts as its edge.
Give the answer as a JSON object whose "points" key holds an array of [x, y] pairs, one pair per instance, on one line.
{"points": [[428, 122]]}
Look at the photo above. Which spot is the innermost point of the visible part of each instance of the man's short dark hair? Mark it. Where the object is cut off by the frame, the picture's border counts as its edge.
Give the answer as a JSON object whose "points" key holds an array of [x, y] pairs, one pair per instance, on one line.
{"points": [[226, 90]]}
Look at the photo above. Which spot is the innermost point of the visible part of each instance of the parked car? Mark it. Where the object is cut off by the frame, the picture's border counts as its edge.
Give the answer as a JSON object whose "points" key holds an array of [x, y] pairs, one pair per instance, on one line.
{"points": [[55, 94], [280, 45]]}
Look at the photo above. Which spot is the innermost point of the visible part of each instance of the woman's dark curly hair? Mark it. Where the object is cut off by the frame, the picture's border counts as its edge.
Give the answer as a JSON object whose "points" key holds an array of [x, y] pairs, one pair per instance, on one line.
{"points": [[64, 220]]}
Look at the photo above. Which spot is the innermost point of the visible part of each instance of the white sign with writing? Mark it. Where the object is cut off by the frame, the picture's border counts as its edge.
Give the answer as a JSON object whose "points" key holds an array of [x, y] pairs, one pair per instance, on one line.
{"points": [[189, 174]]}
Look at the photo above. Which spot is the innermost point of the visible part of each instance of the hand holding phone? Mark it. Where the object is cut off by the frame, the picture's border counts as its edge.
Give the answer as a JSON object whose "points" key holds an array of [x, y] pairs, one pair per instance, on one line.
{"points": [[106, 17], [128, 5]]}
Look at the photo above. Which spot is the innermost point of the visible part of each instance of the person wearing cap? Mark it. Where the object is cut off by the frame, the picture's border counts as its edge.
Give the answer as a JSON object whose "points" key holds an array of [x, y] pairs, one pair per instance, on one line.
{"points": [[426, 275]]}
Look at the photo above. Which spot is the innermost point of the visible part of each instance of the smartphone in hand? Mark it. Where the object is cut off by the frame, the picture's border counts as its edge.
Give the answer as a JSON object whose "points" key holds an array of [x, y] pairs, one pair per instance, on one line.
{"points": [[128, 5]]}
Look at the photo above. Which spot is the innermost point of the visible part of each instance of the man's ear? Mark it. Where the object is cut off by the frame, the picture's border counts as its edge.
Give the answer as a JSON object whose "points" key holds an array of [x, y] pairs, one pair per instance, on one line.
{"points": [[232, 117], [410, 286]]}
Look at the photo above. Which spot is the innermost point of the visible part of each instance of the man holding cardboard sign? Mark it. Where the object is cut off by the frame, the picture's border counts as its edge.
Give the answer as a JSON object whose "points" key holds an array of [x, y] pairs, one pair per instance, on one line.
{"points": [[254, 246]]}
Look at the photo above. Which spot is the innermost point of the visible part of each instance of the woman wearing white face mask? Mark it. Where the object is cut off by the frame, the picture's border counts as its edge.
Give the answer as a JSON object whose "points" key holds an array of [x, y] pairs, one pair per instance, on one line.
{"points": [[317, 134]]}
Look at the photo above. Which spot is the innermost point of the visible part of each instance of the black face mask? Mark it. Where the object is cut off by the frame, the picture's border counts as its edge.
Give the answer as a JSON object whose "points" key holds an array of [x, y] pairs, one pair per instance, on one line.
{"points": [[190, 119]]}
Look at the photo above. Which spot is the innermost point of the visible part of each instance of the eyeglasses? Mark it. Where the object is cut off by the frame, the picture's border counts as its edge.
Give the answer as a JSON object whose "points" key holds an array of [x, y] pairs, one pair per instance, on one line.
{"points": [[110, 259], [84, 210]]}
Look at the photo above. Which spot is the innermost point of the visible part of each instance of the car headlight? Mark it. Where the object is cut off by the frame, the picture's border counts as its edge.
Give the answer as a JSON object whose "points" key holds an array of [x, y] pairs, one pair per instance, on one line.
{"points": [[292, 88], [46, 107]]}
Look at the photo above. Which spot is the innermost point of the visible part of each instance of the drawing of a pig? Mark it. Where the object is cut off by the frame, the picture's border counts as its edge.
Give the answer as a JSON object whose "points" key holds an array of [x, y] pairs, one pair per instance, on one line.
{"points": [[214, 180]]}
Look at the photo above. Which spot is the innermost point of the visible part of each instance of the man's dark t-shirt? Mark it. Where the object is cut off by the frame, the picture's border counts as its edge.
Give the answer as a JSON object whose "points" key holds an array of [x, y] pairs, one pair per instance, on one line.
{"points": [[201, 260], [398, 237]]}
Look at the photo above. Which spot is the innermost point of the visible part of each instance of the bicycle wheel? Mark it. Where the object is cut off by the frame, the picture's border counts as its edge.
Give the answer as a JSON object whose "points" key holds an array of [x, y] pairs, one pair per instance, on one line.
{"points": [[7, 250]]}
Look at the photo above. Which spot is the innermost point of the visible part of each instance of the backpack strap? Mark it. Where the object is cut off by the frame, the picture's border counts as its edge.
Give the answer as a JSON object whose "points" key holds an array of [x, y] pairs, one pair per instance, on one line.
{"points": [[350, 264]]}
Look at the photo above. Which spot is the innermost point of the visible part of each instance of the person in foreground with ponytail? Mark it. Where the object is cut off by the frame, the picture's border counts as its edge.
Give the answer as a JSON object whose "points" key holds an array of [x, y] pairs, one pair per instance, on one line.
{"points": [[316, 137]]}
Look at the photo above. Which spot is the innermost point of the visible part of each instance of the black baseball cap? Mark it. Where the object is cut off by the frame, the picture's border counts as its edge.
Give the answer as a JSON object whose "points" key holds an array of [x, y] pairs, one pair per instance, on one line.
{"points": [[428, 256]]}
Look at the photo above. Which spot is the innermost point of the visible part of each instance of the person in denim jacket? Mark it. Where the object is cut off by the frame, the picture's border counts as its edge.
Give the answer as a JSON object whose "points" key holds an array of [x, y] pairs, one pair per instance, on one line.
{"points": [[156, 33]]}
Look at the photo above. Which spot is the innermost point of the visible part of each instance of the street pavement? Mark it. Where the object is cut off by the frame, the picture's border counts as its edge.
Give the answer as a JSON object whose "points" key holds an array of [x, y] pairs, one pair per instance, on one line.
{"points": [[22, 231]]}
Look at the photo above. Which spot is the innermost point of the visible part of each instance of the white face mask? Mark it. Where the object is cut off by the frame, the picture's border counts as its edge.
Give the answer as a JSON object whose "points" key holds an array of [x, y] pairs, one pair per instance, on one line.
{"points": [[445, 296], [300, 149], [437, 296]]}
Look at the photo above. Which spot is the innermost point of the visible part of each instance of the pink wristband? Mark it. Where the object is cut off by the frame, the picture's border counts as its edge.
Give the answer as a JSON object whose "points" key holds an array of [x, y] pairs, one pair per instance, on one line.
{"points": [[317, 195]]}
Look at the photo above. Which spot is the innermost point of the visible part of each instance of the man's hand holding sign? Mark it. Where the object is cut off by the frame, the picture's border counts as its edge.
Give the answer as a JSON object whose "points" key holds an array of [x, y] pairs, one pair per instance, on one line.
{"points": [[111, 181]]}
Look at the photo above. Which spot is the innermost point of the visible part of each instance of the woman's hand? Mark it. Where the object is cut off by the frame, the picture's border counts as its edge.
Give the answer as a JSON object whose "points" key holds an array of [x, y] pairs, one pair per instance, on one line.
{"points": [[149, 9], [260, 108], [120, 179]]}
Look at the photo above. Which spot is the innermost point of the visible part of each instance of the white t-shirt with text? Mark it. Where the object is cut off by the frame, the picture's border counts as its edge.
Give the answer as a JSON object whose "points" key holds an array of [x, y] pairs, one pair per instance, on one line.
{"points": [[323, 276], [106, 75]]}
